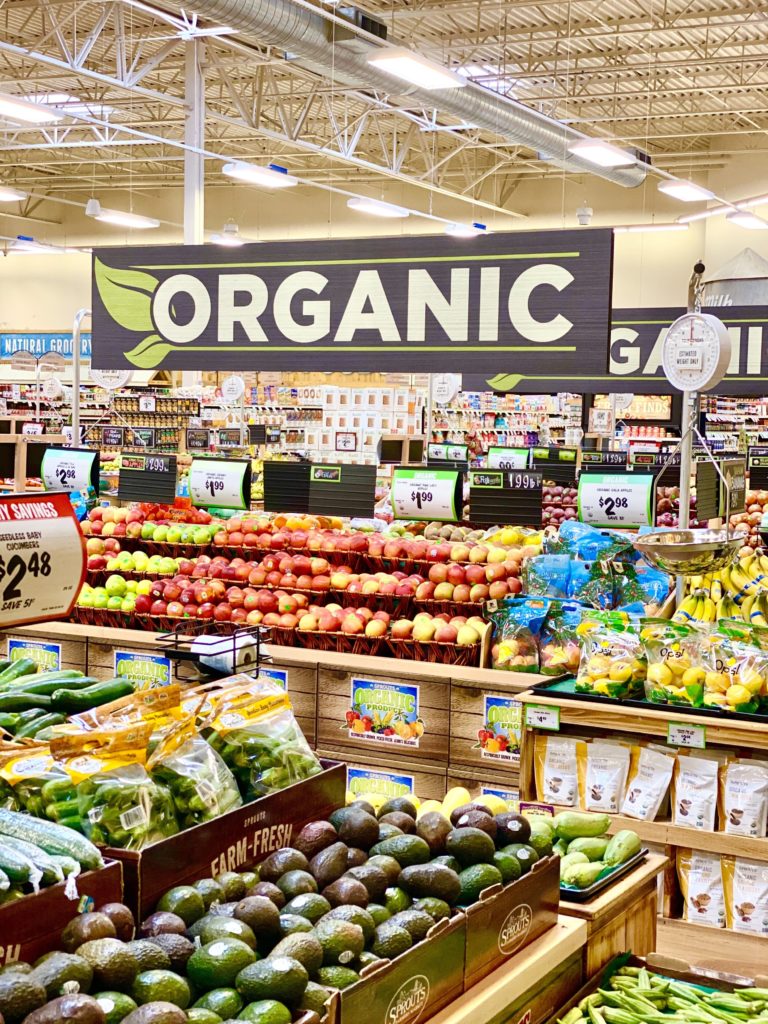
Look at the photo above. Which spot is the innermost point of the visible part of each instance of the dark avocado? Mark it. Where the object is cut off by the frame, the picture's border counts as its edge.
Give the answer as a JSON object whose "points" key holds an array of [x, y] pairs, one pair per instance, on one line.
{"points": [[512, 828], [178, 948], [281, 861], [329, 864], [478, 819], [388, 865], [398, 803], [470, 846], [356, 857], [314, 837], [292, 883], [161, 923], [373, 878], [400, 820], [364, 806], [386, 831], [358, 828], [436, 880], [465, 808], [270, 890], [433, 827], [260, 914], [85, 928], [122, 918], [346, 890]]}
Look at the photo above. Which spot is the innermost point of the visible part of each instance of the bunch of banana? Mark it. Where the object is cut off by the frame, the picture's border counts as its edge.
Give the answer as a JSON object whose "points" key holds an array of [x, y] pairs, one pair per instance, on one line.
{"points": [[697, 607]]}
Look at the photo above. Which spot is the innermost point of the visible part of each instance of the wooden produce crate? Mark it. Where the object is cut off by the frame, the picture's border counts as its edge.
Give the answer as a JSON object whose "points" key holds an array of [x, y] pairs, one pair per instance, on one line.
{"points": [[622, 917], [390, 776], [72, 653], [31, 926], [480, 782], [300, 674], [232, 842], [506, 920]]}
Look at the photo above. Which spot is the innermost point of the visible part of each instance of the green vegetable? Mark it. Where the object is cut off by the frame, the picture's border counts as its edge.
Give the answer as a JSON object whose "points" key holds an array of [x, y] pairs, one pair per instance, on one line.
{"points": [[124, 807], [72, 701], [48, 682], [575, 824], [625, 844], [22, 667], [54, 839], [581, 876], [594, 849], [31, 729], [15, 865], [200, 784], [43, 861], [21, 701], [572, 858]]}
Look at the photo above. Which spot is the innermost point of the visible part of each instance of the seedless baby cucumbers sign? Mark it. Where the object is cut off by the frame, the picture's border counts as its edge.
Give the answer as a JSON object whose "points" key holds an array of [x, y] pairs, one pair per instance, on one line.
{"points": [[521, 299]]}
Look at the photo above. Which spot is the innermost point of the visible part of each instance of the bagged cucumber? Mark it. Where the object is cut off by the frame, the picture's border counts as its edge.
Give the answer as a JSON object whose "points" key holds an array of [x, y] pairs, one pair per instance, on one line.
{"points": [[54, 839]]}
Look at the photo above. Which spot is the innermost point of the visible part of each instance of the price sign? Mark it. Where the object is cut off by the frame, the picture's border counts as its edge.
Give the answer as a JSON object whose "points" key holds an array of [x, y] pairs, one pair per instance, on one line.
{"points": [[111, 437], [592, 462], [230, 438], [325, 475], [149, 477], [426, 494], [143, 436], [525, 480], [447, 452], [757, 460], [513, 497], [225, 483], [486, 480], [70, 469], [616, 499], [42, 558], [346, 441], [539, 716], [680, 735], [147, 403], [734, 471], [508, 458], [198, 439], [601, 422], [33, 429]]}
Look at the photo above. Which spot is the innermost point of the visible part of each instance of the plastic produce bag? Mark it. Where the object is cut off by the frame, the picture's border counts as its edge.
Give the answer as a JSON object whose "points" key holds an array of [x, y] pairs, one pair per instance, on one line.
{"points": [[201, 785], [260, 741], [118, 802], [612, 662], [738, 679], [679, 663], [580, 540], [516, 628], [592, 584], [547, 576], [559, 643], [40, 786]]}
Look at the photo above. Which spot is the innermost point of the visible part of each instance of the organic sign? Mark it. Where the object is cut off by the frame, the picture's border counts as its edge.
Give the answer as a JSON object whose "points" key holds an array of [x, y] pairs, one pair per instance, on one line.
{"points": [[383, 304], [361, 781], [277, 675], [426, 494], [508, 458], [616, 499], [47, 657], [147, 671], [384, 713], [499, 739], [69, 469]]}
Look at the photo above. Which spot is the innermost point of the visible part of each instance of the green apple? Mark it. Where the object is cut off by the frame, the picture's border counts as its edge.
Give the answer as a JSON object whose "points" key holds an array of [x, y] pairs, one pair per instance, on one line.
{"points": [[201, 535], [85, 600], [167, 566], [173, 535], [114, 603], [112, 564], [131, 586], [115, 585], [160, 534], [100, 598], [128, 603], [147, 531]]}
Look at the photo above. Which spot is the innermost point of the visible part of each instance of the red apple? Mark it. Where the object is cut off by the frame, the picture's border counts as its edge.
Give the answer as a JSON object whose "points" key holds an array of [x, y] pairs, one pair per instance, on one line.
{"points": [[158, 608], [222, 612]]}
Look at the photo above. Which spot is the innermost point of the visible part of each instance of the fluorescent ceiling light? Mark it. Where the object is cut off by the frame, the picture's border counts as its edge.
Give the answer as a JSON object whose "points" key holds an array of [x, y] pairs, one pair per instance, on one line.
{"points": [[267, 177], [754, 201], [120, 218], [747, 220], [466, 230], [26, 244], [229, 235], [689, 218], [685, 191], [602, 154], [18, 109], [641, 229], [376, 207], [11, 195], [69, 104], [414, 69]]}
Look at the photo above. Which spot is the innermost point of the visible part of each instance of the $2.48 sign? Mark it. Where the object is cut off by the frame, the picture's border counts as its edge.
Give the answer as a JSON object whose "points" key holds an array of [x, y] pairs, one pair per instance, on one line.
{"points": [[42, 558], [616, 499], [221, 482], [426, 494]]}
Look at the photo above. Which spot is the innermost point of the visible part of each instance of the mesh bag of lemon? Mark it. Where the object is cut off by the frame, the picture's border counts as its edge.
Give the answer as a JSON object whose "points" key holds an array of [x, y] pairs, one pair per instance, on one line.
{"points": [[679, 662], [612, 662]]}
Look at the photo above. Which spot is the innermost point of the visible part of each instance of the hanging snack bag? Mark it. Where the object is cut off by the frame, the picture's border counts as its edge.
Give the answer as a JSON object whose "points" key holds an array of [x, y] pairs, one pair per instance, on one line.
{"points": [[517, 625], [743, 798], [745, 888], [739, 677], [605, 779], [559, 763], [201, 785], [650, 773], [258, 738], [546, 576], [701, 883], [612, 662], [678, 663], [694, 792], [119, 804]]}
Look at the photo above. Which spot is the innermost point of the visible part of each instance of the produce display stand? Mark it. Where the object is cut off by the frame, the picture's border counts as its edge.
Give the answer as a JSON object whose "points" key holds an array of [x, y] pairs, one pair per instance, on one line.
{"points": [[590, 718], [20, 444]]}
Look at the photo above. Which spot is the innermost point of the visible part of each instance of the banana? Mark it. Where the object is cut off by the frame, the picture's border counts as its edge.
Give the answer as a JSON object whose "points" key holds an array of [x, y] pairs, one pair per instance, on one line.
{"points": [[716, 588], [725, 576], [745, 608], [708, 613], [759, 608], [764, 563], [687, 610], [740, 583]]}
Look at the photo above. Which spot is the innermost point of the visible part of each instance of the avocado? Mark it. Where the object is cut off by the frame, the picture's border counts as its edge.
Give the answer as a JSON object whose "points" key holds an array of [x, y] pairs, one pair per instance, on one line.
{"points": [[232, 885], [422, 880], [328, 865], [86, 928], [249, 879], [161, 986], [337, 977], [314, 837], [18, 967], [390, 941], [526, 855], [478, 819], [365, 959], [270, 891], [177, 947], [149, 956], [406, 850], [346, 890], [294, 924], [114, 965], [224, 1002], [364, 806], [396, 899], [121, 917], [77, 1008], [512, 828], [196, 929], [356, 857], [197, 1015], [210, 890], [373, 878], [416, 922], [307, 949], [508, 865], [314, 999], [161, 923], [260, 914], [227, 927], [59, 968], [156, 1013], [457, 812], [448, 862], [541, 841], [379, 914], [217, 964], [281, 861], [224, 909], [388, 865], [266, 1011], [357, 915], [278, 977], [433, 827], [115, 1006], [400, 820], [358, 828], [20, 994], [436, 908], [185, 901], [342, 941], [336, 817], [476, 878], [386, 831], [470, 846], [398, 803], [308, 904], [292, 883]]}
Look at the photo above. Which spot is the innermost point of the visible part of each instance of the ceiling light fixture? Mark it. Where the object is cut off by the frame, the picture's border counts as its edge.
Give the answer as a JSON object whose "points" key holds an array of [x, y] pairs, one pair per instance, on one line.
{"points": [[18, 109], [273, 176], [229, 236], [689, 218], [415, 69], [747, 204], [685, 191], [120, 218], [641, 229], [362, 204], [11, 195], [26, 244], [602, 154], [466, 230], [747, 220]]}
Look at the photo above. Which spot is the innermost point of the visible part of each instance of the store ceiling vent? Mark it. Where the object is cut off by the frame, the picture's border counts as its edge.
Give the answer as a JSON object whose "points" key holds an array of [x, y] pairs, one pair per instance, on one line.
{"points": [[743, 281]]}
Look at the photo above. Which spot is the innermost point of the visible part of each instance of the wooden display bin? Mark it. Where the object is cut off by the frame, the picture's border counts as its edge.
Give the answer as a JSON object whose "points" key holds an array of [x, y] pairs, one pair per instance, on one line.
{"points": [[72, 655], [232, 842], [391, 774], [31, 926], [480, 782]]}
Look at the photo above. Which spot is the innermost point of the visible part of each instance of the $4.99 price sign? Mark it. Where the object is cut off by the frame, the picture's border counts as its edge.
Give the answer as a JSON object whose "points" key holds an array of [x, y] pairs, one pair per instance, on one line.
{"points": [[616, 499], [224, 483], [426, 494], [42, 558]]}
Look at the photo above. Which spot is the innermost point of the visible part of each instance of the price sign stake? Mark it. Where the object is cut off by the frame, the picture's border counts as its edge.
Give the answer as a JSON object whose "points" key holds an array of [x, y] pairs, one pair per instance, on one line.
{"points": [[539, 716]]}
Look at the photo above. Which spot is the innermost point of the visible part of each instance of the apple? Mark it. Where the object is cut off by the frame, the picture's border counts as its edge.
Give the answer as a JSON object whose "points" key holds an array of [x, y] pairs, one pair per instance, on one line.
{"points": [[327, 622], [478, 593], [254, 618], [444, 592], [446, 633], [402, 629], [514, 585], [308, 622], [206, 610], [95, 546], [143, 604], [438, 573], [267, 602], [498, 589], [461, 593], [352, 624], [494, 572], [474, 574], [158, 608], [455, 574], [424, 628], [235, 597], [175, 609], [223, 612], [375, 627]]}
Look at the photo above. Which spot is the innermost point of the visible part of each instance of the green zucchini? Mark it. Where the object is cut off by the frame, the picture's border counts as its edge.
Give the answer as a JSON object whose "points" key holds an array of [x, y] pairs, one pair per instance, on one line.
{"points": [[18, 867], [71, 701], [4, 664], [24, 701], [9, 721], [30, 715], [54, 839], [64, 674], [22, 667], [37, 725], [36, 684], [43, 861]]}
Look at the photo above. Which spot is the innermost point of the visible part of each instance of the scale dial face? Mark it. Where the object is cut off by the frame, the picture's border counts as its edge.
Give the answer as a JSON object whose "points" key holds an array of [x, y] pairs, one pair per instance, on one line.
{"points": [[696, 352]]}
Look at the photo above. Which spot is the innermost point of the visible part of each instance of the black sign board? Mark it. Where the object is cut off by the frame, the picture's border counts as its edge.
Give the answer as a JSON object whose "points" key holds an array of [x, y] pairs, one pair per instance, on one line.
{"points": [[230, 438], [148, 477], [274, 435], [112, 437], [735, 472], [707, 491], [141, 437], [600, 461], [757, 464], [502, 496], [286, 487], [257, 433], [198, 439], [557, 464], [342, 490], [655, 462]]}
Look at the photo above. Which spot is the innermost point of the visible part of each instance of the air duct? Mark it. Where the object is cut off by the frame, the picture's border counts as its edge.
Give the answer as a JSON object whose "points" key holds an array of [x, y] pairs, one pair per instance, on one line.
{"points": [[333, 51]]}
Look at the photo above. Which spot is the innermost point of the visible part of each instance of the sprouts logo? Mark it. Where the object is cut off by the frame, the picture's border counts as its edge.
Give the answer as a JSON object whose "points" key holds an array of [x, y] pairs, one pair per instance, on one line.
{"points": [[409, 1001], [515, 929]]}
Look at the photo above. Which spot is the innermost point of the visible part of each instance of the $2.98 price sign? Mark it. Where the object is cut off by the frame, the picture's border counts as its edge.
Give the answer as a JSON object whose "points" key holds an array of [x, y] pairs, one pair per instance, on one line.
{"points": [[42, 558], [220, 482], [616, 499], [426, 494]]}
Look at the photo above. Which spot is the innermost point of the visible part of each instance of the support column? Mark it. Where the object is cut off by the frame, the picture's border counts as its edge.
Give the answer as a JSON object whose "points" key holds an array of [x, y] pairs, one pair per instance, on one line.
{"points": [[194, 163]]}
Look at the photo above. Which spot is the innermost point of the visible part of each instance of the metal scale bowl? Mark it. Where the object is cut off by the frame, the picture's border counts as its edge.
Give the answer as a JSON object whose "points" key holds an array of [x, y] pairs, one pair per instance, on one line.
{"points": [[689, 552]]}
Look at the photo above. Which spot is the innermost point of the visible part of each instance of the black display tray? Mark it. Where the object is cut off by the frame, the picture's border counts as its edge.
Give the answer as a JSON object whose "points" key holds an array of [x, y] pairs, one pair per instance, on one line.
{"points": [[585, 895]]}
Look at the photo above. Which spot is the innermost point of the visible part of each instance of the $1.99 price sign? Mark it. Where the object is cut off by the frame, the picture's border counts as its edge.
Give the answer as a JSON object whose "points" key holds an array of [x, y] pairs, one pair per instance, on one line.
{"points": [[219, 482], [426, 494], [42, 558], [613, 499]]}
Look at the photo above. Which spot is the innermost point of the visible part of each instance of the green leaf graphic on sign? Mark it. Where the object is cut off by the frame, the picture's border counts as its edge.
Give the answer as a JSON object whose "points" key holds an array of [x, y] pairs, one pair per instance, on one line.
{"points": [[505, 381], [150, 352], [127, 296]]}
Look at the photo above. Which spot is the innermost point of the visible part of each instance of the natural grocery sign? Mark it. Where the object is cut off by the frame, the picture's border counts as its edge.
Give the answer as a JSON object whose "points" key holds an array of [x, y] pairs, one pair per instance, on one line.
{"points": [[511, 300]]}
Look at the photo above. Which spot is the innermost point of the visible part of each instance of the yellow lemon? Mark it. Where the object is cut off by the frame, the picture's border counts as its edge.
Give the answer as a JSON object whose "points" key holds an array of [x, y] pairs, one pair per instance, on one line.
{"points": [[494, 803], [712, 699]]}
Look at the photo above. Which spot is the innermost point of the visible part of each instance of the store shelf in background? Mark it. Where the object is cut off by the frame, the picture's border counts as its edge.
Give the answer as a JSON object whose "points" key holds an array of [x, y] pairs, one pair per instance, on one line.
{"points": [[713, 949]]}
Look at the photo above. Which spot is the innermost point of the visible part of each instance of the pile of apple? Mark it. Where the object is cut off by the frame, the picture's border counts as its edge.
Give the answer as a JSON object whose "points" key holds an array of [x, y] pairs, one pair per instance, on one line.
{"points": [[179, 526], [423, 627], [100, 551], [748, 521], [558, 503]]}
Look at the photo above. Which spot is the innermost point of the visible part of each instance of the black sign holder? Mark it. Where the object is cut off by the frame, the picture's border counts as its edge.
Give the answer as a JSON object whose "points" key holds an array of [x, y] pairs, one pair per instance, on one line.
{"points": [[603, 461], [757, 463], [557, 464], [342, 490], [505, 496], [148, 477]]}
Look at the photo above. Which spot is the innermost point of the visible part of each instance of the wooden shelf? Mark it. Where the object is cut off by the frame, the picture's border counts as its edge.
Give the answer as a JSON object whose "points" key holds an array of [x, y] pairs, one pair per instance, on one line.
{"points": [[715, 949]]}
